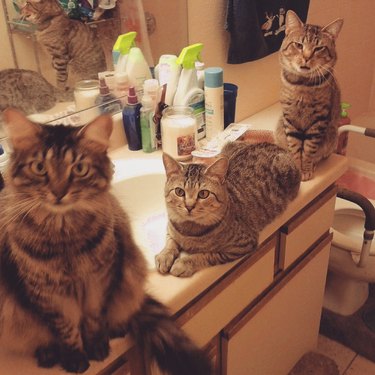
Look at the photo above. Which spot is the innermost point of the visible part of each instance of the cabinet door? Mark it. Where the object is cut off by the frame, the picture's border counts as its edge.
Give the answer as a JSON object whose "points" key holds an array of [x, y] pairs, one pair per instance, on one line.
{"points": [[305, 228], [271, 337]]}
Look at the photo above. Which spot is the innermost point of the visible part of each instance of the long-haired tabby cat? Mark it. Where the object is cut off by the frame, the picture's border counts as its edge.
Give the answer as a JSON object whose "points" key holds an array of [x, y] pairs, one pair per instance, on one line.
{"points": [[216, 212], [310, 96], [71, 43], [71, 275], [29, 91]]}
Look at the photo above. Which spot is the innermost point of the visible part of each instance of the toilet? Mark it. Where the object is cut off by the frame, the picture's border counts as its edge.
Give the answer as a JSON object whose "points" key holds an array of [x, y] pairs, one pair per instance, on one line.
{"points": [[347, 285]]}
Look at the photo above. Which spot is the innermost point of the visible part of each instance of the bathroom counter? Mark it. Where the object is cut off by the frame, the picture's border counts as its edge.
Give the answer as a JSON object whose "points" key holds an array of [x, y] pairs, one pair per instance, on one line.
{"points": [[178, 293]]}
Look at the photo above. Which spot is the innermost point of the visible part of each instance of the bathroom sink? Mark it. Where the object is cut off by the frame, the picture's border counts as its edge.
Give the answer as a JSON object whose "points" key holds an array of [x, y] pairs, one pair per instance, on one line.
{"points": [[139, 186]]}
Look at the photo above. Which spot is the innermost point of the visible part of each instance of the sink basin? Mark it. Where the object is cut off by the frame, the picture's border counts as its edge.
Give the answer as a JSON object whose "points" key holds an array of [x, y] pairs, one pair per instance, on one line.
{"points": [[139, 186]]}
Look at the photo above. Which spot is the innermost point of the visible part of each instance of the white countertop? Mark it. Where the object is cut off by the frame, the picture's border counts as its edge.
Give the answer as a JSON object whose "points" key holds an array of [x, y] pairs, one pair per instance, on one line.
{"points": [[177, 292]]}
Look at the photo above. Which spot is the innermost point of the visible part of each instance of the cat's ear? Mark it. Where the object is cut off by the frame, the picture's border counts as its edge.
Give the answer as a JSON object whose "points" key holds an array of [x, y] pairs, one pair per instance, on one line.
{"points": [[334, 27], [171, 166], [99, 131], [218, 169], [21, 131], [292, 22]]}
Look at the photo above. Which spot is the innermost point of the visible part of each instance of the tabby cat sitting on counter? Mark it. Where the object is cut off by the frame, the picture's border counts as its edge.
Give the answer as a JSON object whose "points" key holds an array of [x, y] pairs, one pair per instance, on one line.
{"points": [[72, 44], [216, 212], [71, 275], [310, 96]]}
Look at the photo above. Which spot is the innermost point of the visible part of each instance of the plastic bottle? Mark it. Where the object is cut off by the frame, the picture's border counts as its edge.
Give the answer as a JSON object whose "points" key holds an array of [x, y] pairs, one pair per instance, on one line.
{"points": [[214, 101], [168, 72], [199, 66], [120, 51], [137, 69], [122, 86], [188, 93], [151, 88], [107, 102], [343, 137], [147, 124], [131, 120]]}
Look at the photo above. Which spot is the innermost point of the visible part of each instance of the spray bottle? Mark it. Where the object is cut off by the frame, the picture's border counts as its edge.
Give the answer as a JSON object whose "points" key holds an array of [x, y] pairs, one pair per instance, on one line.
{"points": [[188, 92], [343, 137], [120, 51]]}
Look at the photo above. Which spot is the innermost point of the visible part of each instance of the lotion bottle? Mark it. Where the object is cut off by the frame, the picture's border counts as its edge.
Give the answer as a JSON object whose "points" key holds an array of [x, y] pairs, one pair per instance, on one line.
{"points": [[147, 125], [214, 101]]}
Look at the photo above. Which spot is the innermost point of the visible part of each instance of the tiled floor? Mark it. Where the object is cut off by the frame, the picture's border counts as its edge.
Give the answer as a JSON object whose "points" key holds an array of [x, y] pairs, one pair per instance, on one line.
{"points": [[348, 362]]}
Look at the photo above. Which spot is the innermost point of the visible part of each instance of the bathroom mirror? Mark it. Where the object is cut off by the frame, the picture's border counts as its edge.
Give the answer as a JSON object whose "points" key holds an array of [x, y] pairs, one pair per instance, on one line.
{"points": [[163, 30]]}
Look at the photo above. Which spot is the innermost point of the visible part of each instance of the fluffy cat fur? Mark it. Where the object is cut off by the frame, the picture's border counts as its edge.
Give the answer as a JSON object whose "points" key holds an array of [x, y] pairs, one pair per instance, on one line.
{"points": [[72, 44], [71, 275], [216, 212], [29, 91], [310, 96]]}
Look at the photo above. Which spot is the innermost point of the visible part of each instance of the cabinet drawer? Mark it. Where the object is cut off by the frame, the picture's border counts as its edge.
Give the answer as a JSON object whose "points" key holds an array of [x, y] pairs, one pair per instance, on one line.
{"points": [[306, 227], [270, 337], [225, 300]]}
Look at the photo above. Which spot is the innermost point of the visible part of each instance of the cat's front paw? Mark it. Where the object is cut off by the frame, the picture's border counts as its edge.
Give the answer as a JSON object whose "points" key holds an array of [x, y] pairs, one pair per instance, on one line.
{"points": [[182, 268], [47, 356], [74, 360], [164, 261], [98, 347]]}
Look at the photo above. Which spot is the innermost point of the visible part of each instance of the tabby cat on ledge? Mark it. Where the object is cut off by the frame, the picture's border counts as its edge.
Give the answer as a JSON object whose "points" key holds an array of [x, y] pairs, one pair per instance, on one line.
{"points": [[71, 275], [216, 212], [71, 43], [310, 96]]}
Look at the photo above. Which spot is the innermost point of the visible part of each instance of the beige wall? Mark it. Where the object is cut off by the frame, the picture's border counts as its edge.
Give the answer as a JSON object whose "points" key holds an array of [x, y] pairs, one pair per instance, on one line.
{"points": [[259, 81]]}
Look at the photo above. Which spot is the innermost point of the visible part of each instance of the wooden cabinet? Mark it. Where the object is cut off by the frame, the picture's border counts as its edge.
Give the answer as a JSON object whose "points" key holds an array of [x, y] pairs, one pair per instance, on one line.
{"points": [[270, 337]]}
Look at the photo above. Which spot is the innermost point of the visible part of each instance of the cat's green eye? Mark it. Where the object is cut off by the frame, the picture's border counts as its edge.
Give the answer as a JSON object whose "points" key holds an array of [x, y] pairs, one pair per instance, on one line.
{"points": [[179, 192], [38, 168], [81, 169], [203, 194]]}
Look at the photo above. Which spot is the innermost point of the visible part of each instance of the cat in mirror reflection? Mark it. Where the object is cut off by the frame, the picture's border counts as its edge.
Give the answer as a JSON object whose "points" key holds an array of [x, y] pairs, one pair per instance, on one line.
{"points": [[71, 275], [310, 95], [29, 91], [72, 44], [215, 212]]}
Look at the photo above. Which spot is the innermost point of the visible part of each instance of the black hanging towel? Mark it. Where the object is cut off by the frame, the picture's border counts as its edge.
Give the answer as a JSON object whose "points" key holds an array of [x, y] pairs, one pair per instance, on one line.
{"points": [[257, 27]]}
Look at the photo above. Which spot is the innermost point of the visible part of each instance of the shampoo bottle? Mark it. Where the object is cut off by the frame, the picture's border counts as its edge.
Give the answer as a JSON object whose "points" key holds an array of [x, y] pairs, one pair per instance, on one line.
{"points": [[147, 124], [188, 92], [131, 120], [214, 101], [168, 72]]}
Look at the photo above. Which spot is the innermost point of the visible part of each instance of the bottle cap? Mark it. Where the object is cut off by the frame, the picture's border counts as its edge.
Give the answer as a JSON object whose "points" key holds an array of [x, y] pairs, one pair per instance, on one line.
{"points": [[132, 96], [189, 55], [344, 106], [213, 77]]}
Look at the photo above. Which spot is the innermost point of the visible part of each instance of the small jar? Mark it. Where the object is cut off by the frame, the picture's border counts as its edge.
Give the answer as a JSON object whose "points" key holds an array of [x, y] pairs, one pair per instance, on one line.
{"points": [[179, 134], [85, 94]]}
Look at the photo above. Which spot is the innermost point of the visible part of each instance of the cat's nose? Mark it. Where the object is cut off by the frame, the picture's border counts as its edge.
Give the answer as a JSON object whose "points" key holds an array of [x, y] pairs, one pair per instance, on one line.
{"points": [[189, 207]]}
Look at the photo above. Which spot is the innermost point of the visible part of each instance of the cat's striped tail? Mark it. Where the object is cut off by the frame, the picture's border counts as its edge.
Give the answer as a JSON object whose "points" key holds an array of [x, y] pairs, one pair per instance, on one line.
{"points": [[158, 335]]}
